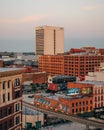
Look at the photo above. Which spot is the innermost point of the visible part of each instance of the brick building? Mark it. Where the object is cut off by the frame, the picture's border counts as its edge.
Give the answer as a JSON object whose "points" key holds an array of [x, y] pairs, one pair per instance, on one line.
{"points": [[1, 63], [98, 93], [10, 99], [73, 64], [36, 77]]}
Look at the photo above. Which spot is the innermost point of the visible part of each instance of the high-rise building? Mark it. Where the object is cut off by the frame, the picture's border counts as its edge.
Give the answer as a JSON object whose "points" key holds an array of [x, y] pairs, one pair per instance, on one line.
{"points": [[10, 99], [49, 40]]}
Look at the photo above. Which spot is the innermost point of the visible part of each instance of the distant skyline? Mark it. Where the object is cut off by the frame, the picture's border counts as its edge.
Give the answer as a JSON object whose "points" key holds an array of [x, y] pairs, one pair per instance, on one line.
{"points": [[82, 20]]}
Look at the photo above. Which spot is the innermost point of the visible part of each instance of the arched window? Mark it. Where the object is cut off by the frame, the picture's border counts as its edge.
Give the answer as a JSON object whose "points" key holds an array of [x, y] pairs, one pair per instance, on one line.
{"points": [[17, 82], [9, 83], [3, 85]]}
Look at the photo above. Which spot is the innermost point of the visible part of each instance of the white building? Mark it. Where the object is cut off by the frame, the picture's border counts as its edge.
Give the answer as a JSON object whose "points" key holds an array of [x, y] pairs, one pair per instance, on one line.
{"points": [[49, 40]]}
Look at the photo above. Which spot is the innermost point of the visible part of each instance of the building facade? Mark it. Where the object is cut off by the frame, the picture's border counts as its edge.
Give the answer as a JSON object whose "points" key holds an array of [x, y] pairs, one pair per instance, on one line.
{"points": [[72, 65], [10, 99], [49, 40]]}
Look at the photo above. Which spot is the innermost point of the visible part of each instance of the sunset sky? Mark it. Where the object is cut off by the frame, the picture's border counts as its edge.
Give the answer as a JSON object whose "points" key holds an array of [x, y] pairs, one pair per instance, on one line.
{"points": [[83, 22]]}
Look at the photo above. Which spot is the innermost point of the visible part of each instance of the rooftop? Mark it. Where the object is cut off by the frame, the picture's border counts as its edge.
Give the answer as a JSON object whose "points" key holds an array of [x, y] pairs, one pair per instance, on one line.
{"points": [[91, 82], [9, 69]]}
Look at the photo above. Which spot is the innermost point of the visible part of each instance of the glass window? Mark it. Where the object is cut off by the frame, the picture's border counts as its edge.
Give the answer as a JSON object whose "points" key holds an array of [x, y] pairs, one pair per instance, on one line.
{"points": [[17, 82], [17, 107]]}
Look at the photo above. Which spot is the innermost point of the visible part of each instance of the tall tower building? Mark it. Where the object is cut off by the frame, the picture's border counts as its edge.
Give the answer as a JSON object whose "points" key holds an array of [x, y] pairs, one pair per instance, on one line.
{"points": [[49, 40]]}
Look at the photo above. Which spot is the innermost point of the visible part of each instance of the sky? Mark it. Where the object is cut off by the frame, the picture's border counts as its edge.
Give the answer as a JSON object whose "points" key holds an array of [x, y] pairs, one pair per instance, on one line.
{"points": [[82, 20]]}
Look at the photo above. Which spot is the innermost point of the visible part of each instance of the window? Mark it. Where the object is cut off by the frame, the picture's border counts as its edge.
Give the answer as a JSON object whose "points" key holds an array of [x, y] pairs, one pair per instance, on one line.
{"points": [[9, 110], [0, 114], [17, 94], [8, 96], [90, 107], [17, 107], [72, 110], [3, 96], [17, 120], [79, 109], [90, 101], [86, 102], [17, 82], [8, 84], [10, 123], [3, 85], [5, 125], [5, 112], [76, 103], [86, 108], [72, 104]]}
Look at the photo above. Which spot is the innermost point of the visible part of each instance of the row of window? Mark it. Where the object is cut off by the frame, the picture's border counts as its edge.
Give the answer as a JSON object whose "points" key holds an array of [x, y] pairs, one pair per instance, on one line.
{"points": [[81, 103], [16, 83], [81, 109], [9, 123], [99, 98], [9, 110], [6, 125], [5, 98]]}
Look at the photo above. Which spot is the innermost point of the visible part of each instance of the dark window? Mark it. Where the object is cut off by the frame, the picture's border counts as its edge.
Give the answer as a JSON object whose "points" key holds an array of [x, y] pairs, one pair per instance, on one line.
{"points": [[76, 103], [86, 102], [5, 112], [86, 108], [72, 104], [5, 126], [3, 97], [9, 110], [0, 115], [90, 107], [17, 120], [8, 84], [79, 109], [90, 101], [8, 96], [72, 110], [10, 123], [3, 85], [17, 94]]}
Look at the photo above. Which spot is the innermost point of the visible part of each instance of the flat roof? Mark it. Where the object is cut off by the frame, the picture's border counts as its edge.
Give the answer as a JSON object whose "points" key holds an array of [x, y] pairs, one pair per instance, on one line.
{"points": [[91, 82], [9, 69]]}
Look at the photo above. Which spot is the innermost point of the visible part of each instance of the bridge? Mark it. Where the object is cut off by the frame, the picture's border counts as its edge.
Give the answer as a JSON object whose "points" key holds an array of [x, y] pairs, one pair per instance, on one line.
{"points": [[87, 122]]}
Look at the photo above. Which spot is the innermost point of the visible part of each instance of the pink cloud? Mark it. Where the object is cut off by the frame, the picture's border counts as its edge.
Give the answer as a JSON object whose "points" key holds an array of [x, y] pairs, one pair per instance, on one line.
{"points": [[23, 19], [90, 7]]}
